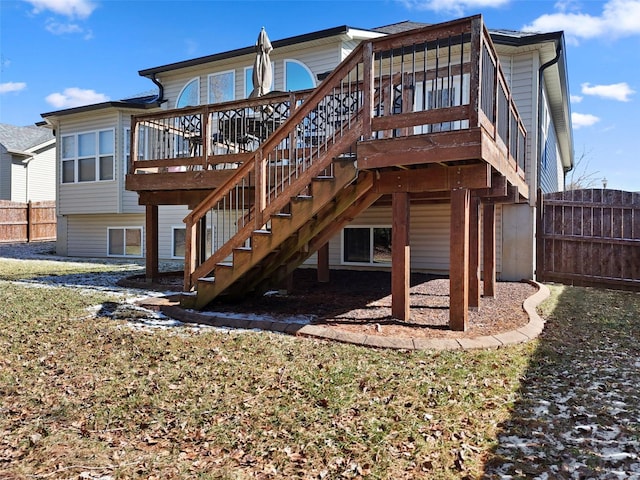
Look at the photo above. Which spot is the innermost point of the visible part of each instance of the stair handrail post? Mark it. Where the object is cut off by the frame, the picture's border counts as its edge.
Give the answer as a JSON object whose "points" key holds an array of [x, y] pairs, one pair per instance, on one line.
{"points": [[474, 77], [368, 86], [260, 189], [190, 251]]}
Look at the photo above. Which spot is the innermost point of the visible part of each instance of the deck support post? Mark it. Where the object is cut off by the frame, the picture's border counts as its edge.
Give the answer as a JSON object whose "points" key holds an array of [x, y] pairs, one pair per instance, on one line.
{"points": [[459, 260], [323, 263], [474, 253], [151, 241], [400, 257], [489, 249]]}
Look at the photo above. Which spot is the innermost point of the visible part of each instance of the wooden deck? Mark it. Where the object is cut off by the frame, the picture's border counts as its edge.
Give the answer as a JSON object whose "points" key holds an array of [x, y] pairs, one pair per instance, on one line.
{"points": [[426, 114]]}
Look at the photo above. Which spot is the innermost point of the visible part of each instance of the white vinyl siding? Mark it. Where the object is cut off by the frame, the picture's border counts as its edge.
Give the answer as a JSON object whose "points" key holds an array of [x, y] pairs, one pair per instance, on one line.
{"points": [[429, 236], [524, 88], [41, 173], [18, 182], [87, 234], [169, 216]]}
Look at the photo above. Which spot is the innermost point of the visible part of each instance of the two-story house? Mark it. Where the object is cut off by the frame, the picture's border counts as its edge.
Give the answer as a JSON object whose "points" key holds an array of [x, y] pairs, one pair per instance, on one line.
{"points": [[27, 164], [371, 142]]}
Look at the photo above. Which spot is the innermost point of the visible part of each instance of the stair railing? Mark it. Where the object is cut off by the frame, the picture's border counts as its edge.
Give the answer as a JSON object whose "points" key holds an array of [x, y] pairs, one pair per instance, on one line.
{"points": [[300, 149]]}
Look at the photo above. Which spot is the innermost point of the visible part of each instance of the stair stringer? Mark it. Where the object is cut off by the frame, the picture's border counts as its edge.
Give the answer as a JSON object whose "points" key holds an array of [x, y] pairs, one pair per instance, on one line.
{"points": [[352, 201]]}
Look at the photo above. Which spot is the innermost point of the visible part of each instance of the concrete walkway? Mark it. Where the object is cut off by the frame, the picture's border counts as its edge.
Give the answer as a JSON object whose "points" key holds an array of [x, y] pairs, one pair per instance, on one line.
{"points": [[171, 307]]}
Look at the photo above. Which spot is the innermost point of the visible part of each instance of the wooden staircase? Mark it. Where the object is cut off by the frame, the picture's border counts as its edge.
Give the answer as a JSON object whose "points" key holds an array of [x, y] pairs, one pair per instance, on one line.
{"points": [[286, 240]]}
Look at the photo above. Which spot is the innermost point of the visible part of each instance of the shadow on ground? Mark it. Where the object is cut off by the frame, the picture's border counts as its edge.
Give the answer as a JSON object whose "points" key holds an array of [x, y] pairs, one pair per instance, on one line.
{"points": [[576, 414]]}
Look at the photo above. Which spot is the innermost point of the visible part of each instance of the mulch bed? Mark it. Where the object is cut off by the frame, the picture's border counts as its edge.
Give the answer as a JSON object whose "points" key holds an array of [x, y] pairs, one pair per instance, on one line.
{"points": [[360, 302]]}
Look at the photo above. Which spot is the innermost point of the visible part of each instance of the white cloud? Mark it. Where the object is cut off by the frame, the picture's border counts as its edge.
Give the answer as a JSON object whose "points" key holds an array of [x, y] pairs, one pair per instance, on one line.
{"points": [[616, 91], [68, 8], [12, 87], [580, 120], [619, 18], [75, 97], [457, 7], [58, 28], [576, 98], [62, 28]]}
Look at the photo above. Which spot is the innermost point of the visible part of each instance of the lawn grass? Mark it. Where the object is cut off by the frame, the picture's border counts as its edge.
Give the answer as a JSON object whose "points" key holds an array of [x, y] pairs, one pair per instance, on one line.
{"points": [[84, 397]]}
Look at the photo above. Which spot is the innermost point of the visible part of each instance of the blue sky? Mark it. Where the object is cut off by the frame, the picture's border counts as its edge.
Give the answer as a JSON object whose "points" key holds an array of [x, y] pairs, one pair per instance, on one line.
{"points": [[56, 54]]}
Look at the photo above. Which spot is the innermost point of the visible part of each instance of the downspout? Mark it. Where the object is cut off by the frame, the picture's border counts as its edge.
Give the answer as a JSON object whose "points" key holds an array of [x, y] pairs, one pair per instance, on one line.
{"points": [[160, 97], [539, 145]]}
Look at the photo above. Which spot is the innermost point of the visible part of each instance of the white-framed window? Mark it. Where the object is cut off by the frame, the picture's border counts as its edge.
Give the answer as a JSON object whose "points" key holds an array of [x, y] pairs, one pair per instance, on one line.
{"points": [[297, 76], [88, 157], [222, 86], [124, 241], [178, 241], [366, 245], [190, 94]]}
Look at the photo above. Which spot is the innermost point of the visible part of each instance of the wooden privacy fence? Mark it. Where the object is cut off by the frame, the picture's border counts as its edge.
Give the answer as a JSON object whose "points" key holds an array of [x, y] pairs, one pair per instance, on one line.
{"points": [[589, 237], [27, 222]]}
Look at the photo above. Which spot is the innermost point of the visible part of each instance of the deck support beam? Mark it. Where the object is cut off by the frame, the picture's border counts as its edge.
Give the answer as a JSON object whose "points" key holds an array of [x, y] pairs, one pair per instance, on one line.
{"points": [[459, 260], [489, 249], [323, 263], [400, 257], [474, 253], [151, 241]]}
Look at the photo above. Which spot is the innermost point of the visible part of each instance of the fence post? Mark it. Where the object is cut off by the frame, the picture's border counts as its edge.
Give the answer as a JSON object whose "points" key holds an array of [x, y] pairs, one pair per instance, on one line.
{"points": [[29, 221]]}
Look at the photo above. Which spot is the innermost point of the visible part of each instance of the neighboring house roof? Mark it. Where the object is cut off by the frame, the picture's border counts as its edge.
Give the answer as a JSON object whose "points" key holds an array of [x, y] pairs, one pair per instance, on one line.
{"points": [[19, 140], [139, 103]]}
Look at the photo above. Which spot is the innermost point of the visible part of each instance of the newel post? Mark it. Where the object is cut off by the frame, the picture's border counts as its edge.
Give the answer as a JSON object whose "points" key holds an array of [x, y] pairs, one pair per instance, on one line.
{"points": [[190, 252]]}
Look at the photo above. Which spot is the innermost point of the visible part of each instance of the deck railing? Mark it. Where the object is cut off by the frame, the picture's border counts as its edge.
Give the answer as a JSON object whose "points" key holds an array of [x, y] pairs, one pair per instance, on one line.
{"points": [[426, 81]]}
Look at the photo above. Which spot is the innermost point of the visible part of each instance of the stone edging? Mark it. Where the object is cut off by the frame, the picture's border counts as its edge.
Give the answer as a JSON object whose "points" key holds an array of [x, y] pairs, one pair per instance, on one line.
{"points": [[520, 335]]}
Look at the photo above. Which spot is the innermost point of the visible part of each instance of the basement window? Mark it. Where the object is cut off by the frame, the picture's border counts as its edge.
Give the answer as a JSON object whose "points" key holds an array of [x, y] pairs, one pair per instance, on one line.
{"points": [[179, 238], [367, 245], [124, 241]]}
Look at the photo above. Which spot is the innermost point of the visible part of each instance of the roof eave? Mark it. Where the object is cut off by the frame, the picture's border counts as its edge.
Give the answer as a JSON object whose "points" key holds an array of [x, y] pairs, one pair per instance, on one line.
{"points": [[101, 106], [342, 30]]}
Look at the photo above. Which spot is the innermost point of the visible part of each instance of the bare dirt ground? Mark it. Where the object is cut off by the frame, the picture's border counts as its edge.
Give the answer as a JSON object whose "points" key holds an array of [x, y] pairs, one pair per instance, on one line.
{"points": [[360, 302]]}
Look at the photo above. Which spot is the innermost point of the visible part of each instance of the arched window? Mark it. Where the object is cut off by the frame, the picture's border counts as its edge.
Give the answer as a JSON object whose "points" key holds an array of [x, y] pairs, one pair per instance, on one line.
{"points": [[190, 94], [297, 76]]}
